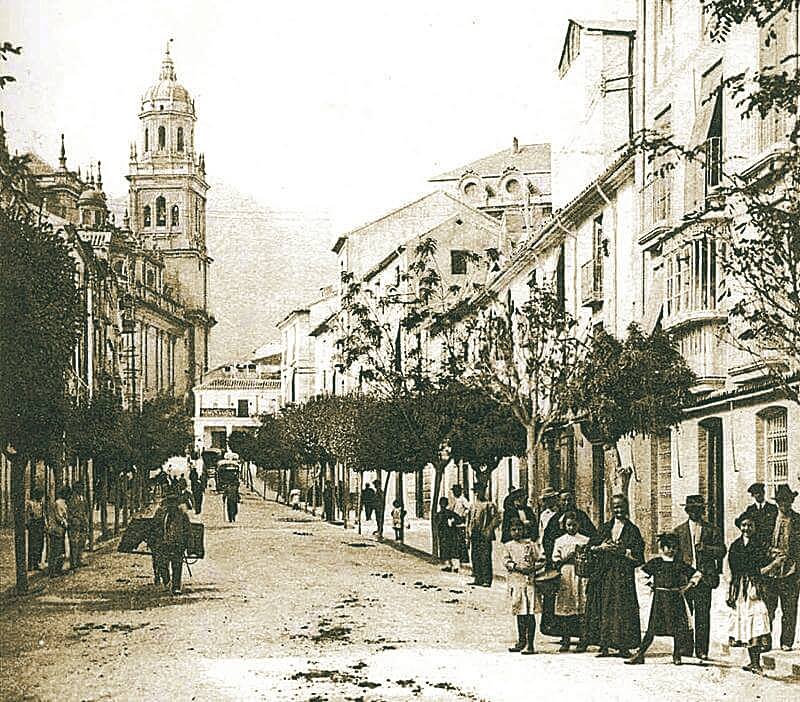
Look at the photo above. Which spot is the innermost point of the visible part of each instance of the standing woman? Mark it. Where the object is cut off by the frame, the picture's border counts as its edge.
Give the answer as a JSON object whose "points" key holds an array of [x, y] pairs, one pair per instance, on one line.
{"points": [[620, 545], [748, 559]]}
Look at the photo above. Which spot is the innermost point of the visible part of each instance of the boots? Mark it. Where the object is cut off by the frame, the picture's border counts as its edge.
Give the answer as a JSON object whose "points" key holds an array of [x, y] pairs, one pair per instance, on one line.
{"points": [[522, 628], [530, 636], [755, 660]]}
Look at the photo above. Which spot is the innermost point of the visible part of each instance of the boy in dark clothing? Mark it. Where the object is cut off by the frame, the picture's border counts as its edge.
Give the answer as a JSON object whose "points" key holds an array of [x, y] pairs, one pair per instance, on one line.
{"points": [[668, 617]]}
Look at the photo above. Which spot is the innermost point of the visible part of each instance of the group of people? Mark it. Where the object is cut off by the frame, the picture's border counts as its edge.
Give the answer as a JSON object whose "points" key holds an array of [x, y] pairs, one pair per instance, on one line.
{"points": [[581, 578], [64, 517]]}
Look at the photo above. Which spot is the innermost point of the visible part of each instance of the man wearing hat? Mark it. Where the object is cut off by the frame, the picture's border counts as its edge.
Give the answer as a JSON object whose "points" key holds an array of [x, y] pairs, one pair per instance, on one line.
{"points": [[548, 508], [566, 504], [762, 513], [516, 509], [783, 581], [548, 511], [701, 547]]}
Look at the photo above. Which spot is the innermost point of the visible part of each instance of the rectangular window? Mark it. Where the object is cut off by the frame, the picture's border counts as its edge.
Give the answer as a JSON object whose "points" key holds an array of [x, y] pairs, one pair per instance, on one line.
{"points": [[691, 273], [458, 262], [662, 173], [598, 253], [775, 41], [777, 453], [662, 37], [242, 408]]}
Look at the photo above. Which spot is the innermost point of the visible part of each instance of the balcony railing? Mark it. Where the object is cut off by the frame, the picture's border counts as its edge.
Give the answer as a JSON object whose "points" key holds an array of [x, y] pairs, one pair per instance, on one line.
{"points": [[772, 129], [662, 198], [217, 411], [592, 283]]}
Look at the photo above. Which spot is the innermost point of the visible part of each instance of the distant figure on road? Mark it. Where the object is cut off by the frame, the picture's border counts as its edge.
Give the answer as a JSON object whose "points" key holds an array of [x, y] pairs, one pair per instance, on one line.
{"points": [[294, 498], [398, 518], [231, 499], [77, 525], [460, 506], [198, 484], [368, 500], [171, 525], [327, 502], [480, 529], [184, 494], [449, 547], [34, 520], [379, 509], [56, 531]]}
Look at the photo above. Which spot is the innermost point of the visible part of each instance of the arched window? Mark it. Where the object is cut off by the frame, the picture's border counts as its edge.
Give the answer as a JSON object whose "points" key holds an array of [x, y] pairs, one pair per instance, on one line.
{"points": [[175, 216], [151, 279], [146, 140], [180, 139], [162, 138], [146, 217], [118, 268], [161, 212]]}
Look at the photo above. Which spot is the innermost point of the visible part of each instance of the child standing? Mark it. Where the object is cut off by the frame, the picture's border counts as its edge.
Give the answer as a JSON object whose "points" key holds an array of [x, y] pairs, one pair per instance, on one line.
{"points": [[398, 517], [748, 558], [523, 558], [571, 596], [448, 541], [668, 617]]}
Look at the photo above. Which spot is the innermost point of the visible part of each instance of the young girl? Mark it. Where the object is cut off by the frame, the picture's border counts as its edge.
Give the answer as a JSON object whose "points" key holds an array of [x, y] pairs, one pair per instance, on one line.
{"points": [[398, 516], [668, 617], [750, 623], [449, 551], [571, 596], [523, 558]]}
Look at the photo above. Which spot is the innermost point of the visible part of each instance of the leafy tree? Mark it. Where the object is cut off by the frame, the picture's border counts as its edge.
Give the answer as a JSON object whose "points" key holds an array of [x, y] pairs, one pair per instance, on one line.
{"points": [[40, 312], [637, 387]]}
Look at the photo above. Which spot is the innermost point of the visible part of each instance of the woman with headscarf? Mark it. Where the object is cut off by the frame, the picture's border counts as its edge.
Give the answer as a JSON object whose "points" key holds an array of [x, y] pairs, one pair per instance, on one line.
{"points": [[612, 610]]}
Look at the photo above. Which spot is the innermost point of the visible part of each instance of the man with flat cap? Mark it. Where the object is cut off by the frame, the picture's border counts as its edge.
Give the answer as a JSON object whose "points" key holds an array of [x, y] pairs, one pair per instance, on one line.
{"points": [[701, 547], [762, 513], [783, 573]]}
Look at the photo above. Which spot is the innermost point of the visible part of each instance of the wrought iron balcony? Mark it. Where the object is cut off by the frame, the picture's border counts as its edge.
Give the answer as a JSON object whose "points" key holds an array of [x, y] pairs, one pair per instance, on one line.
{"points": [[592, 283]]}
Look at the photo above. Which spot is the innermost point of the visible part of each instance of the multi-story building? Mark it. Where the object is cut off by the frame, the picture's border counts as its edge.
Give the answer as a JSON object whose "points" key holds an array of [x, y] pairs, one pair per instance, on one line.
{"points": [[234, 397], [158, 256], [739, 428]]}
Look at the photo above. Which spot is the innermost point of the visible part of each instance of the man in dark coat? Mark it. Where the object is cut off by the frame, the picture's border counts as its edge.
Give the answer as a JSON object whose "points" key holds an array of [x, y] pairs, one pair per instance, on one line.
{"points": [[783, 581], [368, 500], [555, 527], [198, 488], [612, 610], [480, 530], [762, 513], [516, 509], [379, 509], [700, 546], [171, 526]]}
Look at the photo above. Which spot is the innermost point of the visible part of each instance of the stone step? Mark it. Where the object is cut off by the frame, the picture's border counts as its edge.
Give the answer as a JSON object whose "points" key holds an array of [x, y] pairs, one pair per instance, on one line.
{"points": [[784, 664]]}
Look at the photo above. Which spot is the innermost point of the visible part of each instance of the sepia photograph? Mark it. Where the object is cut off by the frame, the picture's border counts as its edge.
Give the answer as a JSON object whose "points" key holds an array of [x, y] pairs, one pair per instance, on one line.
{"points": [[374, 352]]}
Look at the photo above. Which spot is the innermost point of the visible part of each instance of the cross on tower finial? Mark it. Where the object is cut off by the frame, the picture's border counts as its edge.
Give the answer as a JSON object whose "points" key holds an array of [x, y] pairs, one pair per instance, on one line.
{"points": [[62, 159], [167, 67]]}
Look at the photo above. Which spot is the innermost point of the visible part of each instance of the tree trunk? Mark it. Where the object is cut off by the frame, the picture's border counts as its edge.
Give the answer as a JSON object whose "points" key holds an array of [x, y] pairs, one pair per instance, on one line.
{"points": [[401, 498], [116, 504], [358, 500], [346, 495], [531, 475], [90, 500], [104, 502], [18, 501], [438, 474], [126, 499]]}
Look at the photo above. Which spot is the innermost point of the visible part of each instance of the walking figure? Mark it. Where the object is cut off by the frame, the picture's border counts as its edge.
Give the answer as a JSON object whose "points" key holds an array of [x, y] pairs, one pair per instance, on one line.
{"points": [[77, 525], [169, 541], [34, 520], [56, 531]]}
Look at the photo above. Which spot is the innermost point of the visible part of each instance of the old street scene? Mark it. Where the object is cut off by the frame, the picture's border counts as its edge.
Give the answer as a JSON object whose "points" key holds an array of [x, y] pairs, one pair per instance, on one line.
{"points": [[467, 367]]}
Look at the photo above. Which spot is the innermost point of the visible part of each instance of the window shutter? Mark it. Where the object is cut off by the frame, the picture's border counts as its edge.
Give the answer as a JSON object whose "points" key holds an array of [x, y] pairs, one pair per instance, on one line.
{"points": [[761, 472]]}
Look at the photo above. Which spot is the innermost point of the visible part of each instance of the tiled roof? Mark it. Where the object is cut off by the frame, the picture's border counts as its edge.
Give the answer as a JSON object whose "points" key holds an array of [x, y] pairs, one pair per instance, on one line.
{"points": [[240, 384], [529, 158], [606, 25], [37, 165]]}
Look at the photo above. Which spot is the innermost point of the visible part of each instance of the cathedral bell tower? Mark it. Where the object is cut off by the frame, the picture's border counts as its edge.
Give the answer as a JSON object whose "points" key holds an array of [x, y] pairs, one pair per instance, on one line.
{"points": [[167, 200]]}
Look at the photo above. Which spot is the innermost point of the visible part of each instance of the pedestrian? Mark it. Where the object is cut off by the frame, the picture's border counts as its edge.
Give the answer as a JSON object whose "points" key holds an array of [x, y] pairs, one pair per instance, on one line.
{"points": [[34, 521], [198, 488], [548, 513], [173, 532], [57, 522], [700, 546], [763, 513], [294, 498], [448, 540], [184, 494], [556, 526], [480, 531], [379, 509], [570, 604], [523, 559], [748, 558], [783, 581], [77, 525], [459, 504], [231, 498], [516, 508], [612, 607], [398, 518], [671, 579], [327, 502], [155, 537], [368, 501]]}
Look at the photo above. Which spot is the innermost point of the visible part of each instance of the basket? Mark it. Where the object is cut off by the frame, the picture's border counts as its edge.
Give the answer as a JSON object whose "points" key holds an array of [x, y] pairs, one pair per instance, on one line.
{"points": [[585, 562]]}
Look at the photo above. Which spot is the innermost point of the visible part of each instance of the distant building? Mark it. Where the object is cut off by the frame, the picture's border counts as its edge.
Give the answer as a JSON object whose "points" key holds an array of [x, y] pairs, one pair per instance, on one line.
{"points": [[234, 396]]}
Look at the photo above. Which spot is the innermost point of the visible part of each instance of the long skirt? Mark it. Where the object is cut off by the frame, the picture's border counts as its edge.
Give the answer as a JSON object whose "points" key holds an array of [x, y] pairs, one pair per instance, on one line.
{"points": [[522, 595], [750, 620]]}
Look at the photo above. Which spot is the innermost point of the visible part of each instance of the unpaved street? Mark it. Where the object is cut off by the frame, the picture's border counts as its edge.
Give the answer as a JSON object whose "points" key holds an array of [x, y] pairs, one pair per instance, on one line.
{"points": [[287, 608]]}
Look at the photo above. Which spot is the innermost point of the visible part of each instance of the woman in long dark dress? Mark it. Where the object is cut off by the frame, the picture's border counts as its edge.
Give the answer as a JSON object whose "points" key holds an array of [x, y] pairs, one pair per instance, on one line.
{"points": [[612, 607]]}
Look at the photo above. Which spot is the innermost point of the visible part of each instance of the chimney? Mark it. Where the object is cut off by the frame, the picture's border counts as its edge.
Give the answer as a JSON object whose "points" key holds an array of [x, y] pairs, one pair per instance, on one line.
{"points": [[515, 145]]}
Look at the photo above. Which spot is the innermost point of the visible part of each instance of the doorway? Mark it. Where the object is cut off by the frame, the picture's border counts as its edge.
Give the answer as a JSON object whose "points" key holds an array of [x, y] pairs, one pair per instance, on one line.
{"points": [[599, 483], [713, 476]]}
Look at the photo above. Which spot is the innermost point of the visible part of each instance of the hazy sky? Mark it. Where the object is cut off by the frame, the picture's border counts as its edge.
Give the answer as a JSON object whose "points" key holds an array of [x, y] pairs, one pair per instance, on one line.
{"points": [[345, 107]]}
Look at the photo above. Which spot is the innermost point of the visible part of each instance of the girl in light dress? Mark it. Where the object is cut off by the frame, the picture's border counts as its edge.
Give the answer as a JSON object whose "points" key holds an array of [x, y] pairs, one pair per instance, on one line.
{"points": [[748, 558], [523, 559], [571, 596]]}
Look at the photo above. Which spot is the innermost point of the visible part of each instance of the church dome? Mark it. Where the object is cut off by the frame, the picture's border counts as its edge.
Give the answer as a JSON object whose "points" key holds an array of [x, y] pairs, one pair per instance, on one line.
{"points": [[167, 88], [91, 197]]}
